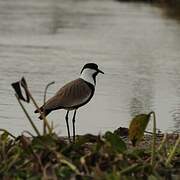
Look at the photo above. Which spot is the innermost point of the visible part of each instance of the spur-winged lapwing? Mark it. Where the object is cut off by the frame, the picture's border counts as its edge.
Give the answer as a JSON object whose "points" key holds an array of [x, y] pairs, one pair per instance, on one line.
{"points": [[74, 94]]}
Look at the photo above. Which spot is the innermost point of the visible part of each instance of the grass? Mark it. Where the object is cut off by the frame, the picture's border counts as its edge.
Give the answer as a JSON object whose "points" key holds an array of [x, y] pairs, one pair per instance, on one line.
{"points": [[106, 157]]}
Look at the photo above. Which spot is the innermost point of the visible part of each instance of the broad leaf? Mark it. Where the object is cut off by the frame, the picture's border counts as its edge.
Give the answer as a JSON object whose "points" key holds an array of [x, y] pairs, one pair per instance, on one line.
{"points": [[116, 142], [137, 127]]}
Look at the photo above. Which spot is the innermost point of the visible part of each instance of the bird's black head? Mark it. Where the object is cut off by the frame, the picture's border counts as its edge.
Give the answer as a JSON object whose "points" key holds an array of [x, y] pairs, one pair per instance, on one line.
{"points": [[92, 66], [89, 72]]}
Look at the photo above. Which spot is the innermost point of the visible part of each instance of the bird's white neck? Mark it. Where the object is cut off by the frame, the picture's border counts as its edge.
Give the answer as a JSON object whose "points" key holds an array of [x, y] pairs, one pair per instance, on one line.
{"points": [[87, 75]]}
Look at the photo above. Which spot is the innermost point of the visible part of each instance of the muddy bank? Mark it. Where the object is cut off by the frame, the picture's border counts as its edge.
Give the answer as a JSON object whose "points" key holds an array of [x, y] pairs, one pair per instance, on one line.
{"points": [[171, 8]]}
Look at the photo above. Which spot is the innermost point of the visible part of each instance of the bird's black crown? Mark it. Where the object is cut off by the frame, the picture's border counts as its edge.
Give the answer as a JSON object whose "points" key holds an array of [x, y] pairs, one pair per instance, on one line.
{"points": [[90, 66]]}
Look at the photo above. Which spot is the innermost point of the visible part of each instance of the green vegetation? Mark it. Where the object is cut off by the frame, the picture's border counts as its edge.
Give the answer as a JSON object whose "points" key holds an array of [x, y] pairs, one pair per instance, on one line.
{"points": [[105, 157], [109, 157]]}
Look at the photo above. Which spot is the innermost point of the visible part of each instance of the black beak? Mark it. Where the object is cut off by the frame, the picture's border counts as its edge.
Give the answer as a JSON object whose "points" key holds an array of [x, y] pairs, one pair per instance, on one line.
{"points": [[99, 71]]}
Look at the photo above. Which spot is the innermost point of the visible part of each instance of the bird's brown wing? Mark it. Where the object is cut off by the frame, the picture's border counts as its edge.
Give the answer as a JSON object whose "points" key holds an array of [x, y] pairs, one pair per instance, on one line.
{"points": [[71, 95]]}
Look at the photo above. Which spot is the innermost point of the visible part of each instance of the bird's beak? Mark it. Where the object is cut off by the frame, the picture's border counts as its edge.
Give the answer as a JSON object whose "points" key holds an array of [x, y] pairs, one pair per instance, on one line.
{"points": [[99, 71]]}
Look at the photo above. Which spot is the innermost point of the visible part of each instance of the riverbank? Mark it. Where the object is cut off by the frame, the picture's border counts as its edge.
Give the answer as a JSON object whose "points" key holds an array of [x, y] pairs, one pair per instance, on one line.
{"points": [[108, 157], [154, 1], [171, 8]]}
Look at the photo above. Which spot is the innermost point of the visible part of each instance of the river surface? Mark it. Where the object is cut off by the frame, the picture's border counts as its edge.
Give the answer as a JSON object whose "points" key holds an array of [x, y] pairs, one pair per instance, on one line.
{"points": [[136, 46]]}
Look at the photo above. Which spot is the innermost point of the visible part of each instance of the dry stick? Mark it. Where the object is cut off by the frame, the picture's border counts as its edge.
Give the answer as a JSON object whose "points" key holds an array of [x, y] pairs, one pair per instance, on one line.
{"points": [[8, 133], [41, 113], [162, 142], [27, 115], [154, 138], [171, 155], [83, 162], [45, 93], [161, 146], [129, 169], [36, 157]]}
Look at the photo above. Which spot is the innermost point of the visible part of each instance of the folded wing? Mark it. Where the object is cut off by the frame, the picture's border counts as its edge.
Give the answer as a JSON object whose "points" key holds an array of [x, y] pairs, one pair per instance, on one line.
{"points": [[73, 94]]}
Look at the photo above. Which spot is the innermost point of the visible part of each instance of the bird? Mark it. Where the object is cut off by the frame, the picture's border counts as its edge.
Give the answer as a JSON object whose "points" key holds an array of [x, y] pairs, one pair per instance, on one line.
{"points": [[73, 95]]}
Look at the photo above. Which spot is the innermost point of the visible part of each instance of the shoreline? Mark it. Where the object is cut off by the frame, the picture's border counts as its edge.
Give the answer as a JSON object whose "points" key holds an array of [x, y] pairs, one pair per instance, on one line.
{"points": [[171, 8], [108, 156]]}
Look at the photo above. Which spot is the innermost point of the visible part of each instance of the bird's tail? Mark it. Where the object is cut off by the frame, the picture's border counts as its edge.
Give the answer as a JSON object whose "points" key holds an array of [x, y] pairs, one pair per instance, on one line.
{"points": [[41, 109], [44, 111]]}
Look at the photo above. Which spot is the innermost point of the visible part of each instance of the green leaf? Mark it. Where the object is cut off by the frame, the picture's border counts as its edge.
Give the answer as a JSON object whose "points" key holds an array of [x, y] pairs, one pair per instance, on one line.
{"points": [[152, 177], [116, 142], [41, 142], [4, 136], [137, 127], [64, 172], [113, 175]]}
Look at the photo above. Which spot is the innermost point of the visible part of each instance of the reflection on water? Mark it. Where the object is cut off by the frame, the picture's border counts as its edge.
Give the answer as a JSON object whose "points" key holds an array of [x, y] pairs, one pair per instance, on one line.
{"points": [[50, 40], [143, 97]]}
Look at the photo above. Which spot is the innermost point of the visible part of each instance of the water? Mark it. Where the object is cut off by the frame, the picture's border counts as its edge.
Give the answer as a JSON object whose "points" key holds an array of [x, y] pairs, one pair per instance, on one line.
{"points": [[50, 40]]}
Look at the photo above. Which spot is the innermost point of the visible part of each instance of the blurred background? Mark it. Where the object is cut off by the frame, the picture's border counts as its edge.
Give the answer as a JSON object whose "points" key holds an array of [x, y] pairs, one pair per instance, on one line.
{"points": [[136, 44]]}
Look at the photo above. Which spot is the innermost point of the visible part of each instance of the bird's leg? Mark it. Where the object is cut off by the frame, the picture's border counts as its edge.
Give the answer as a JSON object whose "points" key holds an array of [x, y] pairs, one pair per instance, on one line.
{"points": [[67, 123], [73, 121]]}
